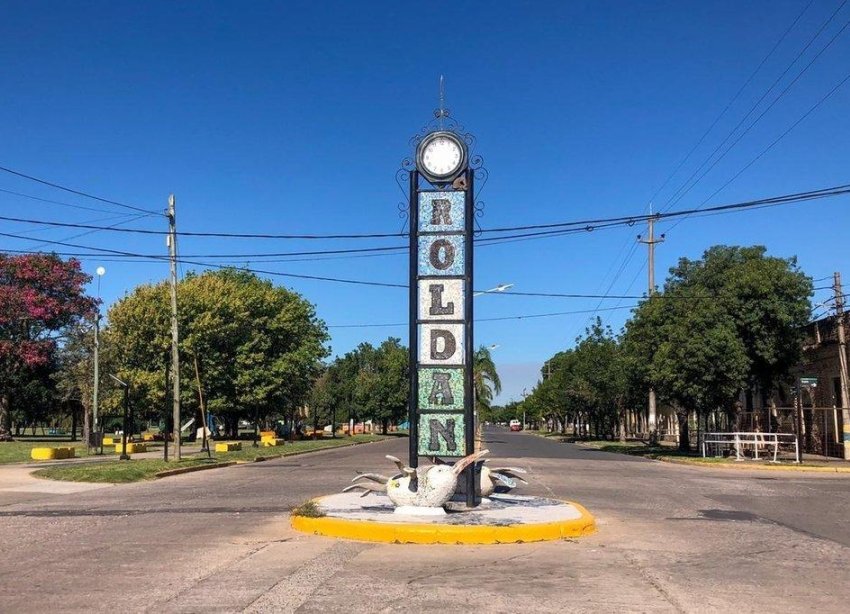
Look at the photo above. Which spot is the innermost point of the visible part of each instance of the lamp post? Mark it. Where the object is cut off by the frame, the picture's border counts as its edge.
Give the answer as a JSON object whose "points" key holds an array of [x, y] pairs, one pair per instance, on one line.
{"points": [[100, 273], [524, 394], [499, 288], [126, 387]]}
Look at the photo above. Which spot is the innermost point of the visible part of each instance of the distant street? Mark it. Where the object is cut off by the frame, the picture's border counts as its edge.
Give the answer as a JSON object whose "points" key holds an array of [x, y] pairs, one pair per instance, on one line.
{"points": [[671, 539]]}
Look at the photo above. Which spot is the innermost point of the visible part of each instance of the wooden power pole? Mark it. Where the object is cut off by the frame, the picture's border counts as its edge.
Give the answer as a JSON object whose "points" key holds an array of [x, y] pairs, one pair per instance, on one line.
{"points": [[842, 363], [650, 242], [175, 354]]}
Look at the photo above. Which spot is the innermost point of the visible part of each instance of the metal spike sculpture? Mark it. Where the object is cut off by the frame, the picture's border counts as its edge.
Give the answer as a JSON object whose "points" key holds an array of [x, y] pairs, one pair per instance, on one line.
{"points": [[422, 487]]}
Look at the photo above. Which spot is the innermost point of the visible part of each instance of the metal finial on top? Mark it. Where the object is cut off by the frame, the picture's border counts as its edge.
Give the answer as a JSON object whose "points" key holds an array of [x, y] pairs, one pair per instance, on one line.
{"points": [[442, 111]]}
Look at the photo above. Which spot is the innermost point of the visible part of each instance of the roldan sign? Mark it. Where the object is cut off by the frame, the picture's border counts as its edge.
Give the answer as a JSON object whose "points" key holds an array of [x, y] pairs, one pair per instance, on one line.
{"points": [[441, 289]]}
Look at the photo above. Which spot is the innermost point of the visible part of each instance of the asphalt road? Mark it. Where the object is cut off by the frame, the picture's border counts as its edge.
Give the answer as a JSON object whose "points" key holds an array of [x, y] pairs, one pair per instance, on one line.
{"points": [[670, 539]]}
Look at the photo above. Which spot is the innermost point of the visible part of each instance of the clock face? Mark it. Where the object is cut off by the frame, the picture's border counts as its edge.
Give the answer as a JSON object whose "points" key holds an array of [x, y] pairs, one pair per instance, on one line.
{"points": [[441, 156]]}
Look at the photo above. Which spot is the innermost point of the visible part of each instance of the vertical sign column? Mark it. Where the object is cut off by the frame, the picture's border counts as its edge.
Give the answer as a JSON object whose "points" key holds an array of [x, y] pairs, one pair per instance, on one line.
{"points": [[442, 287]]}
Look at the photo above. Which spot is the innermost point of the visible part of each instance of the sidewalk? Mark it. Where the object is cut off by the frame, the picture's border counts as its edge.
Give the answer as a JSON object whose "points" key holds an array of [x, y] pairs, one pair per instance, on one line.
{"points": [[16, 479], [19, 479]]}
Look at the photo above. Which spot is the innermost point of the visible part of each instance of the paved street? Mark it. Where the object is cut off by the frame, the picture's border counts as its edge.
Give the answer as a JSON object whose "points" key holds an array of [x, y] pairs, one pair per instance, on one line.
{"points": [[671, 539]]}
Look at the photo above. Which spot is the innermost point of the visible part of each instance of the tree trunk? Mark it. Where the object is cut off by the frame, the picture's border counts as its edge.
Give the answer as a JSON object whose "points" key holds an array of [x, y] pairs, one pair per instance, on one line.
{"points": [[5, 418], [384, 425], [684, 435], [623, 418], [74, 423]]}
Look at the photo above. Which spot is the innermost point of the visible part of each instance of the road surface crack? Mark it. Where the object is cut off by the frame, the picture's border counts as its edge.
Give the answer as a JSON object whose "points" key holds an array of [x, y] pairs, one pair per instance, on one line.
{"points": [[654, 583]]}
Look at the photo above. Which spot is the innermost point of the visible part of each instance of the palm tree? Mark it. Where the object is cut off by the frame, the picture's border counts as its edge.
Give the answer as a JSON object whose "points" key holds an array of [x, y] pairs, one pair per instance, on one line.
{"points": [[485, 377]]}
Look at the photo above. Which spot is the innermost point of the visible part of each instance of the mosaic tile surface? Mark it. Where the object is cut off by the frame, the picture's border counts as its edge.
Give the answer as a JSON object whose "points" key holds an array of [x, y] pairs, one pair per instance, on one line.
{"points": [[441, 435], [441, 211], [441, 344], [441, 299], [440, 388], [441, 255]]}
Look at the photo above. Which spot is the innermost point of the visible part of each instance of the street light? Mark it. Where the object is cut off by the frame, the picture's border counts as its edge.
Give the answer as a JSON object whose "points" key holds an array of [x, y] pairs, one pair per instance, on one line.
{"points": [[100, 273], [499, 288], [126, 387], [524, 395]]}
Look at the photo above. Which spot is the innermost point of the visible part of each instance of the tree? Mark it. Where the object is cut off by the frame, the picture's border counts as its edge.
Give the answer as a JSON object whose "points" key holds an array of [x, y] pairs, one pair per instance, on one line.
{"points": [[258, 345], [599, 372], [74, 374], [731, 319], [766, 297], [382, 387], [700, 363], [321, 401], [41, 296], [485, 379], [585, 385]]}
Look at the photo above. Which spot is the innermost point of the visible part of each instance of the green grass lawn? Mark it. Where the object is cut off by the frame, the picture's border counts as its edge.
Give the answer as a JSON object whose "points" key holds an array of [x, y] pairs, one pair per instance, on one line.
{"points": [[117, 471], [250, 453], [554, 434], [19, 451], [673, 454]]}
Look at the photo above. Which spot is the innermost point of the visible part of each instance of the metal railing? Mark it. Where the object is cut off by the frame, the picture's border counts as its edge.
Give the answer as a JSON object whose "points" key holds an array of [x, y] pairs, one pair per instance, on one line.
{"points": [[743, 441]]}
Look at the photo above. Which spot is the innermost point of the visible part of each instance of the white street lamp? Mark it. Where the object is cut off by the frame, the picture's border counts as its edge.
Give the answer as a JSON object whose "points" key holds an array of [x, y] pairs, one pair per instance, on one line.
{"points": [[499, 288], [100, 273]]}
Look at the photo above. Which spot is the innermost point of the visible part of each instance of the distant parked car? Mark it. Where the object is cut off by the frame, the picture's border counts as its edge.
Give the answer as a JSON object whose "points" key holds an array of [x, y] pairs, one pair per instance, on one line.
{"points": [[516, 425]]}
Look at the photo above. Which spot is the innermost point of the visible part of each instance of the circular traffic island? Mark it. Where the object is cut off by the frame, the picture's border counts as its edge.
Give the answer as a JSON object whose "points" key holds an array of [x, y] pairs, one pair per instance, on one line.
{"points": [[500, 519]]}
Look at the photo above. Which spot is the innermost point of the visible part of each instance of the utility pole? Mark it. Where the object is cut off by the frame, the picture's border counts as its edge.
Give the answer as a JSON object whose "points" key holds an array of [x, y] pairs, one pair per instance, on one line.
{"points": [[842, 362], [97, 434], [175, 355], [650, 242]]}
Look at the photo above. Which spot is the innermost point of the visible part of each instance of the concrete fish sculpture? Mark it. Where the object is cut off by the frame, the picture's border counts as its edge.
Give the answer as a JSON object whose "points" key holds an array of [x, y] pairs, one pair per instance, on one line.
{"points": [[423, 487]]}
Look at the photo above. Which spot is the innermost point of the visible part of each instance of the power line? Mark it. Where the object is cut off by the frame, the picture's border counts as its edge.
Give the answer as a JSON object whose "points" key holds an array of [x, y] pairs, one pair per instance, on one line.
{"points": [[826, 97], [587, 225], [497, 319], [88, 232], [62, 203], [77, 192], [219, 266], [732, 101], [677, 196]]}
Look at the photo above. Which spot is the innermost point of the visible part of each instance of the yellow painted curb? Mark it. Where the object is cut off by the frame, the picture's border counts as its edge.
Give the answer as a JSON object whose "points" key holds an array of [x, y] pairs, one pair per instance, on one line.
{"points": [[410, 533], [752, 466]]}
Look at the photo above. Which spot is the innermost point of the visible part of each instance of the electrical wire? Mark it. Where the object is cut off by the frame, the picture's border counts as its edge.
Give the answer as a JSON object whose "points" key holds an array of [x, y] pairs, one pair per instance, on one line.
{"points": [[587, 225], [62, 203], [826, 97], [678, 194], [165, 258], [732, 101], [496, 319], [77, 192]]}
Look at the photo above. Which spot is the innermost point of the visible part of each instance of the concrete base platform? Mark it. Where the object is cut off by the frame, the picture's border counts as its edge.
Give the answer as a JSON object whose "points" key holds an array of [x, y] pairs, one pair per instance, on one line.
{"points": [[501, 519]]}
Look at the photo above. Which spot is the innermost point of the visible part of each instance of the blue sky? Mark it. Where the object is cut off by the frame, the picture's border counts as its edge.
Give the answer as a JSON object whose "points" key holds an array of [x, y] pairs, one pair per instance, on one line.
{"points": [[293, 118]]}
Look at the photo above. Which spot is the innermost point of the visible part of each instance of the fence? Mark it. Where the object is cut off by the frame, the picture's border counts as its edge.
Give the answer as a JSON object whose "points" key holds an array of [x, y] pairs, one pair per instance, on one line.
{"points": [[822, 427], [755, 442]]}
